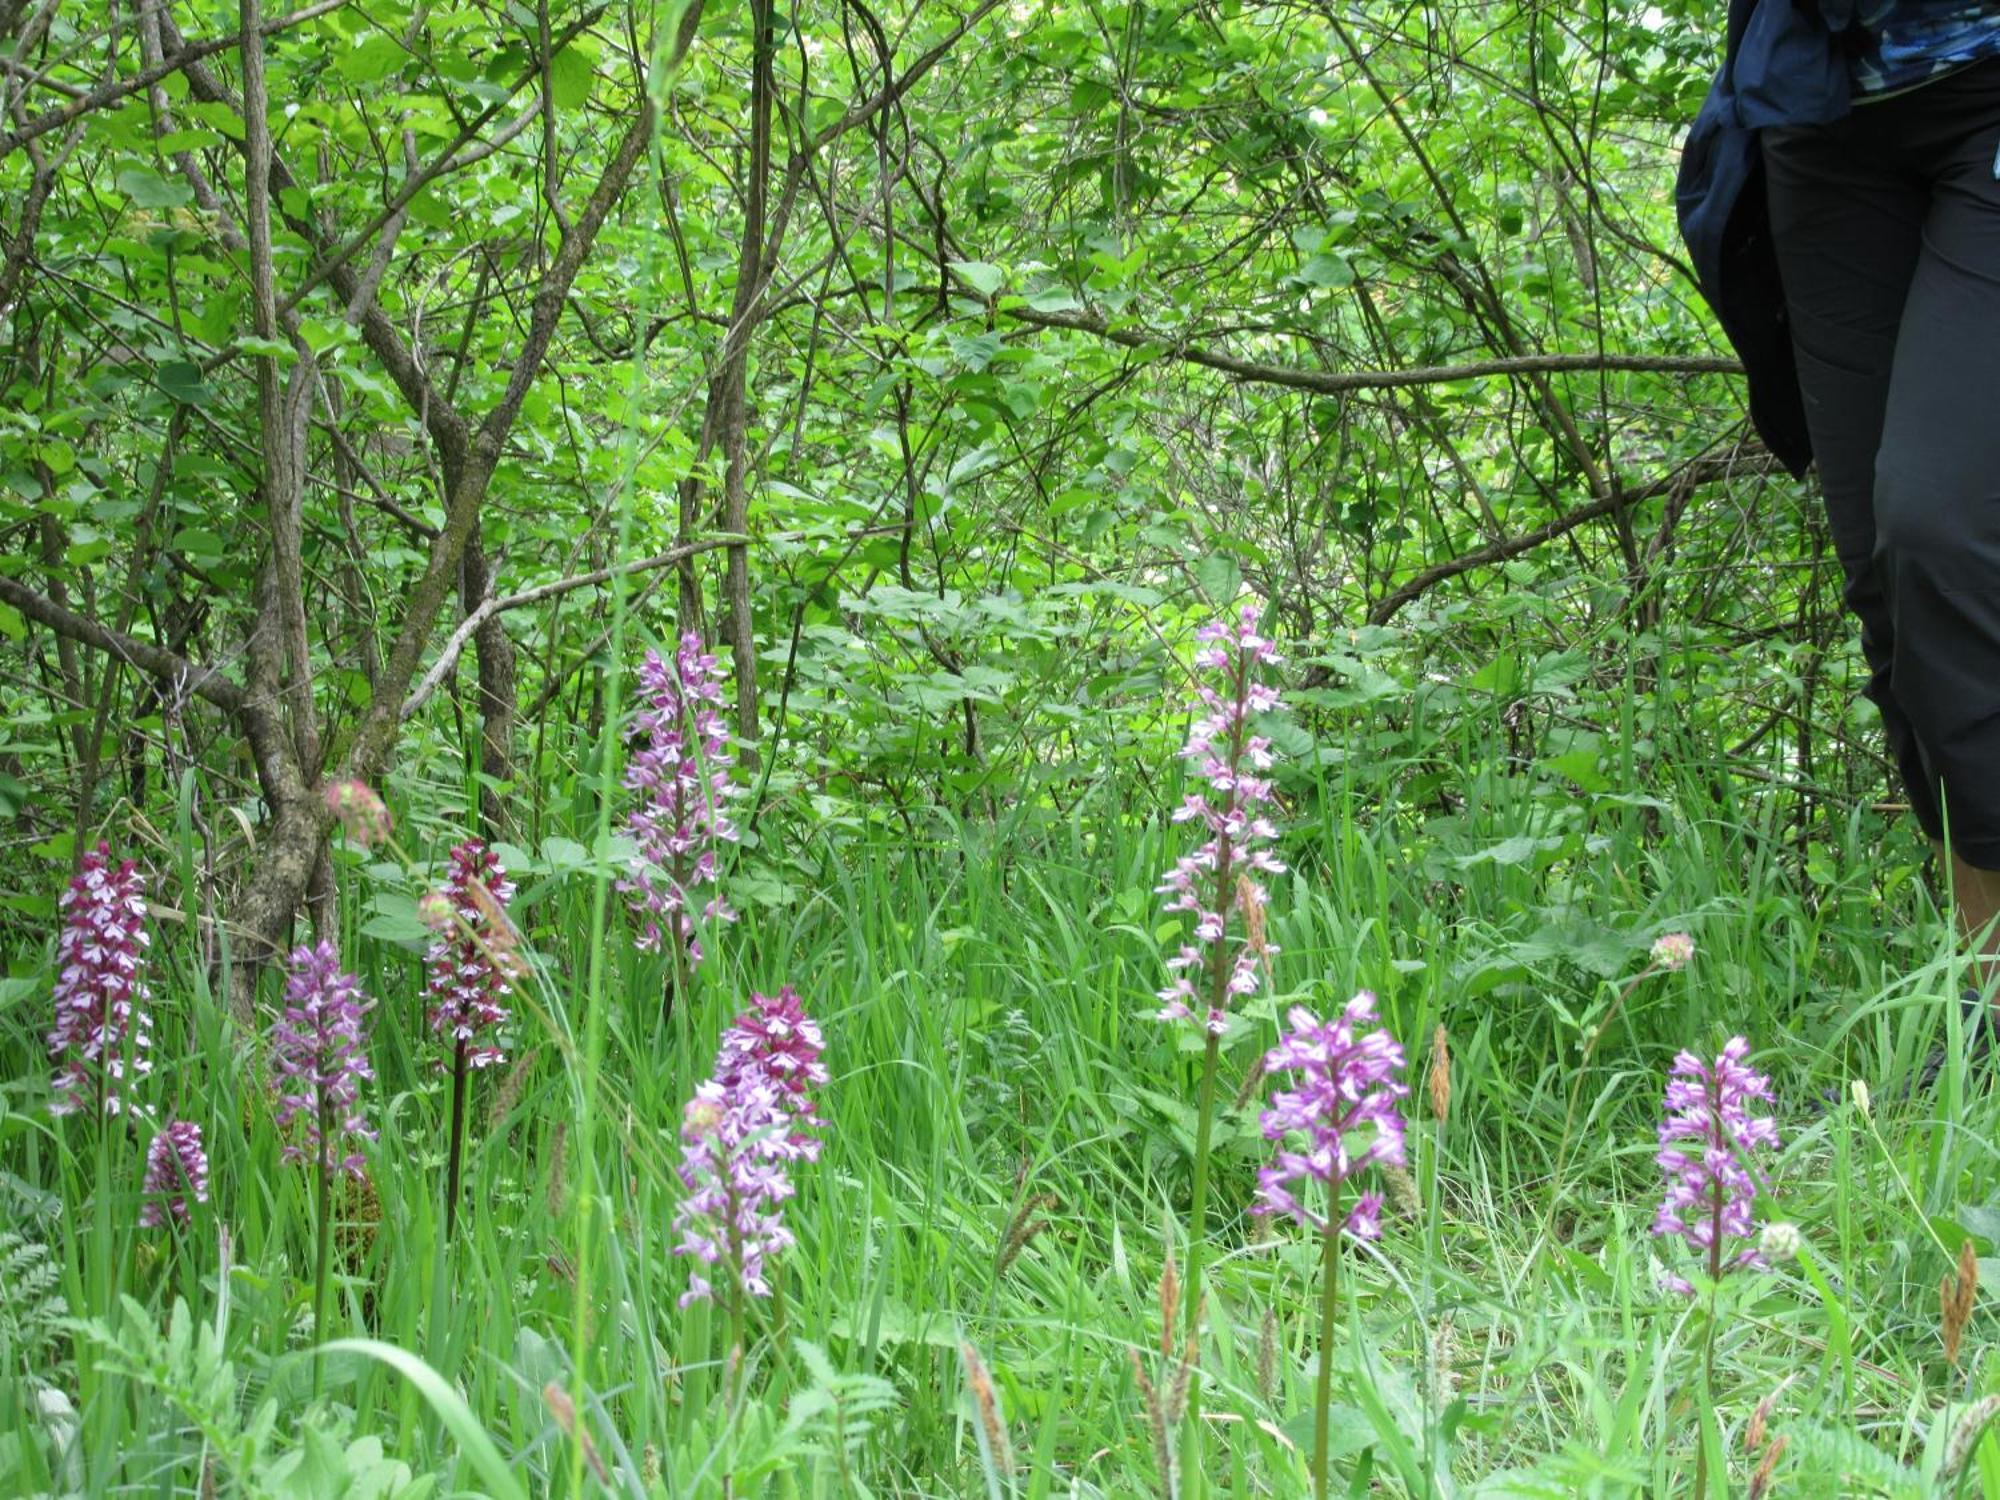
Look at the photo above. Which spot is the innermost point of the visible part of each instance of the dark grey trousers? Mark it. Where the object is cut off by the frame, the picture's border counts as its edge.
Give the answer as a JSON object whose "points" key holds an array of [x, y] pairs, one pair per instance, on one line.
{"points": [[1887, 228]]}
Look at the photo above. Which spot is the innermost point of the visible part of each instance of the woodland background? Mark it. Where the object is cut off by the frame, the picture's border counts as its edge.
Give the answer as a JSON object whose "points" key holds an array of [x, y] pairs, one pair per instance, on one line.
{"points": [[378, 379]]}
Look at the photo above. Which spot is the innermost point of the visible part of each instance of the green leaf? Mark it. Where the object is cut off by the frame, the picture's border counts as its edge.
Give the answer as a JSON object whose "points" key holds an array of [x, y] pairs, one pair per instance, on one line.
{"points": [[1501, 676], [182, 381], [1579, 766], [199, 542], [377, 56], [1220, 577], [570, 78], [148, 189], [277, 349], [982, 276], [977, 352], [1327, 271], [1982, 1222], [451, 1410], [1518, 850], [1054, 299]]}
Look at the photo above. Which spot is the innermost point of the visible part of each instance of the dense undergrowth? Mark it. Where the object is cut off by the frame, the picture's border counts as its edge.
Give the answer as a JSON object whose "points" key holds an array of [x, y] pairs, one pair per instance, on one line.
{"points": [[945, 364], [975, 1301]]}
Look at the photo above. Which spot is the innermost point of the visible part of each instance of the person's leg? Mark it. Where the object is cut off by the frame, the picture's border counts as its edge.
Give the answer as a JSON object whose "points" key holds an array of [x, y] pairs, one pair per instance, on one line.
{"points": [[1978, 898], [1847, 219], [1937, 487]]}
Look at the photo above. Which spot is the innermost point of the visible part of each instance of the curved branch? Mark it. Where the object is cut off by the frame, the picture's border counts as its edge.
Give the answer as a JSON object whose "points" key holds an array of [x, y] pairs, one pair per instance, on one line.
{"points": [[1703, 470], [120, 88], [490, 606], [157, 661], [1336, 382]]}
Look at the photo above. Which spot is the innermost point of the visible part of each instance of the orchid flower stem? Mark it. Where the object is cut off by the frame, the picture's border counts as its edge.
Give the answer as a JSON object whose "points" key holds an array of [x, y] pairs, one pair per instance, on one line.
{"points": [[323, 1231], [1204, 1133], [1707, 1396], [1329, 1305], [454, 1160]]}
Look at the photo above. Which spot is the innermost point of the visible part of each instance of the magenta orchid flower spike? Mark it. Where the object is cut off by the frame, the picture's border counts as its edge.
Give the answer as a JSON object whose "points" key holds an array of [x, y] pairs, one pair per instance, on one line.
{"points": [[176, 1172], [1709, 1142], [102, 1033], [740, 1133], [472, 962], [1342, 1113], [776, 1038], [1223, 871], [681, 774], [318, 1063]]}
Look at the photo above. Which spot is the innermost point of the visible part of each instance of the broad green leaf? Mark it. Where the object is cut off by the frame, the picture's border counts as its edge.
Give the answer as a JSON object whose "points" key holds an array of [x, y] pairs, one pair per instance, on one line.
{"points": [[1220, 577], [450, 1409], [983, 277], [148, 189]]}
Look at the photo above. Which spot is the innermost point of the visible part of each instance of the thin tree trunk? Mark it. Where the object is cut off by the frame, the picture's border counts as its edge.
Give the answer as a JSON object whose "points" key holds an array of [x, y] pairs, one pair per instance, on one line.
{"points": [[499, 706], [734, 377]]}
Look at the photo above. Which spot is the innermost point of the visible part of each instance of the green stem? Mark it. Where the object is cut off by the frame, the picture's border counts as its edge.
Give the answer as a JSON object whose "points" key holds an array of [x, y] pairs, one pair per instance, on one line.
{"points": [[325, 1233], [1715, 1202], [453, 1161], [1204, 1132], [1329, 1302], [1707, 1398], [1576, 1094], [1432, 1258]]}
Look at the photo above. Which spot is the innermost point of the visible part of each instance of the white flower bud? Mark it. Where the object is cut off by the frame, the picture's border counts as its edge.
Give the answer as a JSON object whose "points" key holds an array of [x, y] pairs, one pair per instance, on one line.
{"points": [[1780, 1241]]}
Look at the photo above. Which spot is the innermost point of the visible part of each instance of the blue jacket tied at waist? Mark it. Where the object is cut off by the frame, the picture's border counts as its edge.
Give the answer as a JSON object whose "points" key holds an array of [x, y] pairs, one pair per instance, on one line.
{"points": [[1781, 67]]}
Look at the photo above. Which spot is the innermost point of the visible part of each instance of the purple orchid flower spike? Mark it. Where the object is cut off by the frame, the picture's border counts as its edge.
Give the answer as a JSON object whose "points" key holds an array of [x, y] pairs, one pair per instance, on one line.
{"points": [[1224, 870], [317, 1061], [1709, 1143], [102, 1033], [681, 773], [1343, 1111], [741, 1133]]}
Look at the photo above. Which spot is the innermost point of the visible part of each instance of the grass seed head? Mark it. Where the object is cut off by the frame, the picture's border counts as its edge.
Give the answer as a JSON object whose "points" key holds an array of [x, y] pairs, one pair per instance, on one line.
{"points": [[558, 1191], [1157, 1426], [1758, 1431], [1440, 1075], [1250, 905], [564, 1411], [1023, 1229], [1760, 1482], [1267, 1357], [1956, 1294], [511, 1088], [1967, 1431], [987, 1401], [1177, 1393]]}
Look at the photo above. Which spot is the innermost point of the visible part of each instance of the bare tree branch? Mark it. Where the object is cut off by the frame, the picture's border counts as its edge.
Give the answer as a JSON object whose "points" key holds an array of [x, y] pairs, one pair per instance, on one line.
{"points": [[184, 53], [203, 682], [491, 606], [1337, 382], [1708, 468]]}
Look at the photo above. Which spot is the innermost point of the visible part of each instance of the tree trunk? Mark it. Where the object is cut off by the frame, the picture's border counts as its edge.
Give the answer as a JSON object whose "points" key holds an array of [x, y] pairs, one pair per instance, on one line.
{"points": [[499, 706]]}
